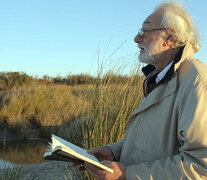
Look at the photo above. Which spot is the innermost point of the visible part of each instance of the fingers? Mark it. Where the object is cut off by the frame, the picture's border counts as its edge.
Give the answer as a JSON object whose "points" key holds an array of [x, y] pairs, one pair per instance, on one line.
{"points": [[95, 150], [75, 164], [96, 172], [106, 162], [80, 166], [92, 173], [119, 170]]}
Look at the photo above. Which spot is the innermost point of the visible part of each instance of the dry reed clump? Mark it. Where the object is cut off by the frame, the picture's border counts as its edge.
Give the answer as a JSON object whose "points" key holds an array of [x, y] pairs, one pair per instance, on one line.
{"points": [[41, 105], [111, 106]]}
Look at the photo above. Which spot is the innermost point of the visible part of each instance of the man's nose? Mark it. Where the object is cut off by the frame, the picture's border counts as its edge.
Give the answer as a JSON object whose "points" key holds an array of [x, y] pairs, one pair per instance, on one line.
{"points": [[137, 38]]}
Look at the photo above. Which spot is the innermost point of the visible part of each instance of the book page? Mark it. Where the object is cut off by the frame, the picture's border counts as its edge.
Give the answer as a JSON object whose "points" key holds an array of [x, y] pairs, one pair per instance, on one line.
{"points": [[57, 141], [76, 155], [70, 152]]}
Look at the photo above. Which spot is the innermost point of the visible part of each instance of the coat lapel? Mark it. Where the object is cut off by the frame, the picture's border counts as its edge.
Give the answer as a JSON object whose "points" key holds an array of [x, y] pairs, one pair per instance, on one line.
{"points": [[158, 94]]}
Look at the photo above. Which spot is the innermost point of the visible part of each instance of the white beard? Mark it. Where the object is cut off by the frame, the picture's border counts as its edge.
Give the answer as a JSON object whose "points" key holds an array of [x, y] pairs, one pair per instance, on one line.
{"points": [[150, 54], [146, 58]]}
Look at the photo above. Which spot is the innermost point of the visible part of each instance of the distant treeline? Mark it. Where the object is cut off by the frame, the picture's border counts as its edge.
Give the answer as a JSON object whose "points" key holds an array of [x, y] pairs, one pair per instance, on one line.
{"points": [[9, 80]]}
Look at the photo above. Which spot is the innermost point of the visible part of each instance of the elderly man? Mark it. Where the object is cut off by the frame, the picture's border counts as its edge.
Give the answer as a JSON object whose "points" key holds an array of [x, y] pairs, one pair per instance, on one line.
{"points": [[166, 136]]}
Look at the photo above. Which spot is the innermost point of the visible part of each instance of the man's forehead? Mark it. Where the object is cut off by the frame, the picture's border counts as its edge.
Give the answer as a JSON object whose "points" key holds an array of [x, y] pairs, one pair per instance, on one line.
{"points": [[153, 20]]}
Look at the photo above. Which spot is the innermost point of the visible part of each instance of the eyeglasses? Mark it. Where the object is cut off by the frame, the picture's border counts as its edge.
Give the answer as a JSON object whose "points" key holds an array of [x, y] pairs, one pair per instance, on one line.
{"points": [[142, 31]]}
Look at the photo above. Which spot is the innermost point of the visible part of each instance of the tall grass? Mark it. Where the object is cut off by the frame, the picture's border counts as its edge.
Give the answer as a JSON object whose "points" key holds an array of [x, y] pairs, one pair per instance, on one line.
{"points": [[42, 105], [110, 109]]}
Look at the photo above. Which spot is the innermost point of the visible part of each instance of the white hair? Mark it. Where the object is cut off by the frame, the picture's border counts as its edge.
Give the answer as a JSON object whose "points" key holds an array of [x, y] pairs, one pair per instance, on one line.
{"points": [[179, 24]]}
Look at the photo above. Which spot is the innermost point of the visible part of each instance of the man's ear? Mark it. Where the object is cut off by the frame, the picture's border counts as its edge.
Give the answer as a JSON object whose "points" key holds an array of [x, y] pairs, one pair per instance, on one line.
{"points": [[169, 40]]}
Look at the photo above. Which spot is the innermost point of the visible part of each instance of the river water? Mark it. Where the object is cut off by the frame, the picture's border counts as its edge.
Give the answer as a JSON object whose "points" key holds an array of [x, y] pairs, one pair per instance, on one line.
{"points": [[22, 152]]}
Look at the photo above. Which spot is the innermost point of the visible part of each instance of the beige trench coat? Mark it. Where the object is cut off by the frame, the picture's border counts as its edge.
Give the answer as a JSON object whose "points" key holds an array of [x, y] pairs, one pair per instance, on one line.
{"points": [[166, 136]]}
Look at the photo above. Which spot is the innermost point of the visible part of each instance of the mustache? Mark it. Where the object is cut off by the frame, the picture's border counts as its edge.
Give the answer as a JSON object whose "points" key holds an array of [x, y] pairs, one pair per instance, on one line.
{"points": [[141, 46]]}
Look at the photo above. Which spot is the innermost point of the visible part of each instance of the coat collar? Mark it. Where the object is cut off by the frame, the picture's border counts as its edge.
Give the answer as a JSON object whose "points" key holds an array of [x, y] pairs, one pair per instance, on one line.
{"points": [[185, 51], [167, 87], [158, 94]]}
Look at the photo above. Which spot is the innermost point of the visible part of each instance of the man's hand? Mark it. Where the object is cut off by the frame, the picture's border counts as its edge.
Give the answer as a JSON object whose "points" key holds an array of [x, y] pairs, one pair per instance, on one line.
{"points": [[100, 152], [119, 171]]}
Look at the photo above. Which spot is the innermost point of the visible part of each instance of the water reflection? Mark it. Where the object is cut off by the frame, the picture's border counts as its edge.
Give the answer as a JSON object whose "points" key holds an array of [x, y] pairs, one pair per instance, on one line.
{"points": [[23, 152], [5, 164]]}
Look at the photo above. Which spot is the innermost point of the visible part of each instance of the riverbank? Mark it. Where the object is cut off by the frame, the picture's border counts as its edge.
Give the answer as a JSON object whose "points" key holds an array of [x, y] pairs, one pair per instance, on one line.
{"points": [[8, 135]]}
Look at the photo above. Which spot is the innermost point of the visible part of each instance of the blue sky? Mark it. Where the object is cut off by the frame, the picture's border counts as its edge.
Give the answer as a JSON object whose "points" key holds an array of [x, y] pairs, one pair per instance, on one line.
{"points": [[61, 37]]}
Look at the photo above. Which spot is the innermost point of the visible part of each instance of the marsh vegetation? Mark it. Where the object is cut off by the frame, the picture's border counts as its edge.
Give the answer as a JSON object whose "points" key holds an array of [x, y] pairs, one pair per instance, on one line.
{"points": [[87, 111]]}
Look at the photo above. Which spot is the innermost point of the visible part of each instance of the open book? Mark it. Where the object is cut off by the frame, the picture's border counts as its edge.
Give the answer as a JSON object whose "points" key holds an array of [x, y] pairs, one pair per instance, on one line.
{"points": [[63, 150]]}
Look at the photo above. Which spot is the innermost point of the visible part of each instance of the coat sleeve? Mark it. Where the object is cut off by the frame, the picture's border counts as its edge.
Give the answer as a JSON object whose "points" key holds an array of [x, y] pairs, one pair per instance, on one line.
{"points": [[116, 149], [191, 160]]}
